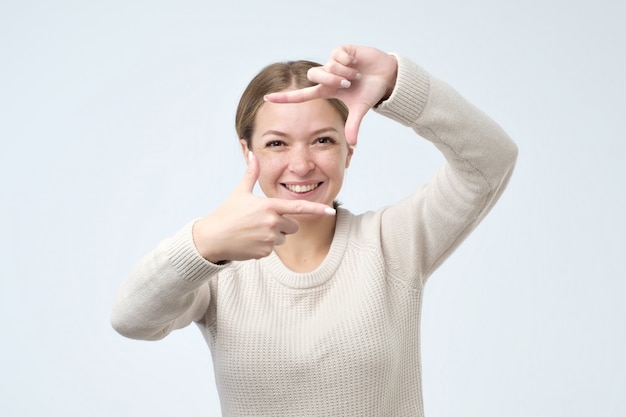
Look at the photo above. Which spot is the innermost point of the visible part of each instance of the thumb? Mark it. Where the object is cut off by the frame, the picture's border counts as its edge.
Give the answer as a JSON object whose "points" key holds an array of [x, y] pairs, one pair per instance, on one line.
{"points": [[353, 122], [251, 176]]}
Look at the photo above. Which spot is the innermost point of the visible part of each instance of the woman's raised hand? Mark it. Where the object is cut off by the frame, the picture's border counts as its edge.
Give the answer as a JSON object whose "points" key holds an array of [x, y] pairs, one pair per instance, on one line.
{"points": [[359, 76], [246, 226]]}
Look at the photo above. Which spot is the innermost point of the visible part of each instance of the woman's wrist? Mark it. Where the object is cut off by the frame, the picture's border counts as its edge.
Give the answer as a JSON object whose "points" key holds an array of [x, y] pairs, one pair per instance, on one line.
{"points": [[207, 251], [392, 80], [391, 83]]}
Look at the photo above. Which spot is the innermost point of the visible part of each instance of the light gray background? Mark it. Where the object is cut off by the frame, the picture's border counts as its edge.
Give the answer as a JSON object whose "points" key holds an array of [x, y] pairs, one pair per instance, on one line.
{"points": [[117, 128]]}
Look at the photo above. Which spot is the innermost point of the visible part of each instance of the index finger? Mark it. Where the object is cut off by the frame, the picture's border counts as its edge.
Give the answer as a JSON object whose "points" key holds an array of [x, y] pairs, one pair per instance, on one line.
{"points": [[295, 96], [282, 206]]}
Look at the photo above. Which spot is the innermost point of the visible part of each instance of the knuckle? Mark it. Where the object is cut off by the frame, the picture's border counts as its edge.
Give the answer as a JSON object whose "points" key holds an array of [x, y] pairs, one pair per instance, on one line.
{"points": [[280, 239], [272, 221], [332, 66], [265, 205], [264, 249], [262, 253], [297, 207], [267, 251]]}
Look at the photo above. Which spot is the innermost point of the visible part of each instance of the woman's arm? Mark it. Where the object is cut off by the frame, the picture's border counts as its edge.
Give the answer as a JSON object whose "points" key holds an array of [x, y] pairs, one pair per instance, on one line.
{"points": [[421, 232], [166, 290]]}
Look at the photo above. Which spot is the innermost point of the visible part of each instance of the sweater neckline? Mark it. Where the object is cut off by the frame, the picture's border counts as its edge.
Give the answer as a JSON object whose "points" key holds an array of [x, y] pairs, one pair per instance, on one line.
{"points": [[303, 280]]}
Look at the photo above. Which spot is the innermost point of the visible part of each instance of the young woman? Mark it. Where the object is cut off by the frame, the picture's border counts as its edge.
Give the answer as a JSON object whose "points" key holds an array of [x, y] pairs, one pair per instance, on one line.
{"points": [[308, 309]]}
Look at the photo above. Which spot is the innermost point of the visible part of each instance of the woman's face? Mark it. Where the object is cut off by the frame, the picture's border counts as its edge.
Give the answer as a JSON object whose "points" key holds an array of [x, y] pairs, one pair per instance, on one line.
{"points": [[301, 149]]}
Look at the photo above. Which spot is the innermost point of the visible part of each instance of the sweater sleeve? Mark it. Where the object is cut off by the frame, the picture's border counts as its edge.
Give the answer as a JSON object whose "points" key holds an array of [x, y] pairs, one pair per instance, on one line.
{"points": [[419, 233], [168, 289]]}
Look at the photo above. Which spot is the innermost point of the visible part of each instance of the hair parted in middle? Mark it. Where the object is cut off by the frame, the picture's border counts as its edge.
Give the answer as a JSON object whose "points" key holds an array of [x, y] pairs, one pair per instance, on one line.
{"points": [[276, 77]]}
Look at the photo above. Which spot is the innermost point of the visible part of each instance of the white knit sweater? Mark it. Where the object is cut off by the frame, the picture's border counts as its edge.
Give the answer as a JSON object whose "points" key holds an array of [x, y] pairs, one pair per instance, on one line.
{"points": [[342, 340]]}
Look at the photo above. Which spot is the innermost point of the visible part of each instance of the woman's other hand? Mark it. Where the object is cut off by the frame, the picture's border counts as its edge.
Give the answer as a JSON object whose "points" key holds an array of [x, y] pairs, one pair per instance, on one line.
{"points": [[359, 76], [246, 226]]}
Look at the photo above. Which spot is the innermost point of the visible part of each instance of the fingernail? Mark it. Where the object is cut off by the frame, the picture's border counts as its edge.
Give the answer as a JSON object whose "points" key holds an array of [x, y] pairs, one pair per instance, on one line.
{"points": [[358, 76], [345, 83], [330, 211]]}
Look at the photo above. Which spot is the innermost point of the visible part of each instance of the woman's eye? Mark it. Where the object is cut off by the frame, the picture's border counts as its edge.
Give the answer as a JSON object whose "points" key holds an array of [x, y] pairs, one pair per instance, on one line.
{"points": [[325, 139], [274, 143]]}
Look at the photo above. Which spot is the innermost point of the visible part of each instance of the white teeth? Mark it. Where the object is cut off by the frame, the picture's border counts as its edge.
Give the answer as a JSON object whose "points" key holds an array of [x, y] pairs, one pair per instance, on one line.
{"points": [[301, 188]]}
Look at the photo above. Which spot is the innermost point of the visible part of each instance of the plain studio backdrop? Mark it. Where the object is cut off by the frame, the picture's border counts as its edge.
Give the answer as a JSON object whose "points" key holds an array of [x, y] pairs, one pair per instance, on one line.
{"points": [[117, 128]]}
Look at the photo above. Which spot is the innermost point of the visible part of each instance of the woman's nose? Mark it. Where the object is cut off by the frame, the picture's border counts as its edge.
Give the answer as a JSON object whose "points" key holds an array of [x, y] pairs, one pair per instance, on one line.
{"points": [[301, 161]]}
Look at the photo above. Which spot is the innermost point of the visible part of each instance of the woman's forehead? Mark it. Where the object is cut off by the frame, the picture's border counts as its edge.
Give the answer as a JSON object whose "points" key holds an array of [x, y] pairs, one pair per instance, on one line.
{"points": [[313, 114]]}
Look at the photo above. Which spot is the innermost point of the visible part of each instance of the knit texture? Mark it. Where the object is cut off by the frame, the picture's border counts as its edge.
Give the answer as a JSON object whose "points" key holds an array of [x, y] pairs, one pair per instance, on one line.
{"points": [[342, 340]]}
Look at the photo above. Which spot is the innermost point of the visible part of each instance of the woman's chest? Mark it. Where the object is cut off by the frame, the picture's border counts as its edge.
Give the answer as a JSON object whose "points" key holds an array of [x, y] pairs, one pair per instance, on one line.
{"points": [[270, 339]]}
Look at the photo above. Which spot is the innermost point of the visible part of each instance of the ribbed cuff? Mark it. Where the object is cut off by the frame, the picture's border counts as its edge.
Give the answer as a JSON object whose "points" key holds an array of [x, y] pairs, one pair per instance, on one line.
{"points": [[186, 259], [410, 94]]}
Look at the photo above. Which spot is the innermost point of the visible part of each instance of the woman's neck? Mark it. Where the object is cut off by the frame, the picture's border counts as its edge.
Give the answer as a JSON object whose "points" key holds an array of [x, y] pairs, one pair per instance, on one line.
{"points": [[306, 249]]}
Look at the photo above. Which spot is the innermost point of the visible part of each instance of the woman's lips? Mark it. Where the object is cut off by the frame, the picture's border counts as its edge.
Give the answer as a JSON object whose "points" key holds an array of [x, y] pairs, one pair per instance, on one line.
{"points": [[302, 188]]}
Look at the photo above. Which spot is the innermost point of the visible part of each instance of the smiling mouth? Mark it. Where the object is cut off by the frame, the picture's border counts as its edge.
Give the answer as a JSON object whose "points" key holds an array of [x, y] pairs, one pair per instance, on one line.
{"points": [[301, 189]]}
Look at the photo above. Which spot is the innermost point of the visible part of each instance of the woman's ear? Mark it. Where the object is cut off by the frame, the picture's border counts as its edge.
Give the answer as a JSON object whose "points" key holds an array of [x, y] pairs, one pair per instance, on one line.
{"points": [[244, 149]]}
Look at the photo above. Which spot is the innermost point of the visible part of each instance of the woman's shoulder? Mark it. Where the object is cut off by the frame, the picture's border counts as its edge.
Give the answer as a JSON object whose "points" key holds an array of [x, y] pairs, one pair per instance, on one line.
{"points": [[361, 227]]}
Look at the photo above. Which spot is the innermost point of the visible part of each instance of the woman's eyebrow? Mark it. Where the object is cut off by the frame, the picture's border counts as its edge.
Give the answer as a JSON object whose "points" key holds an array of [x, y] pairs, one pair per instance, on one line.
{"points": [[315, 132]]}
